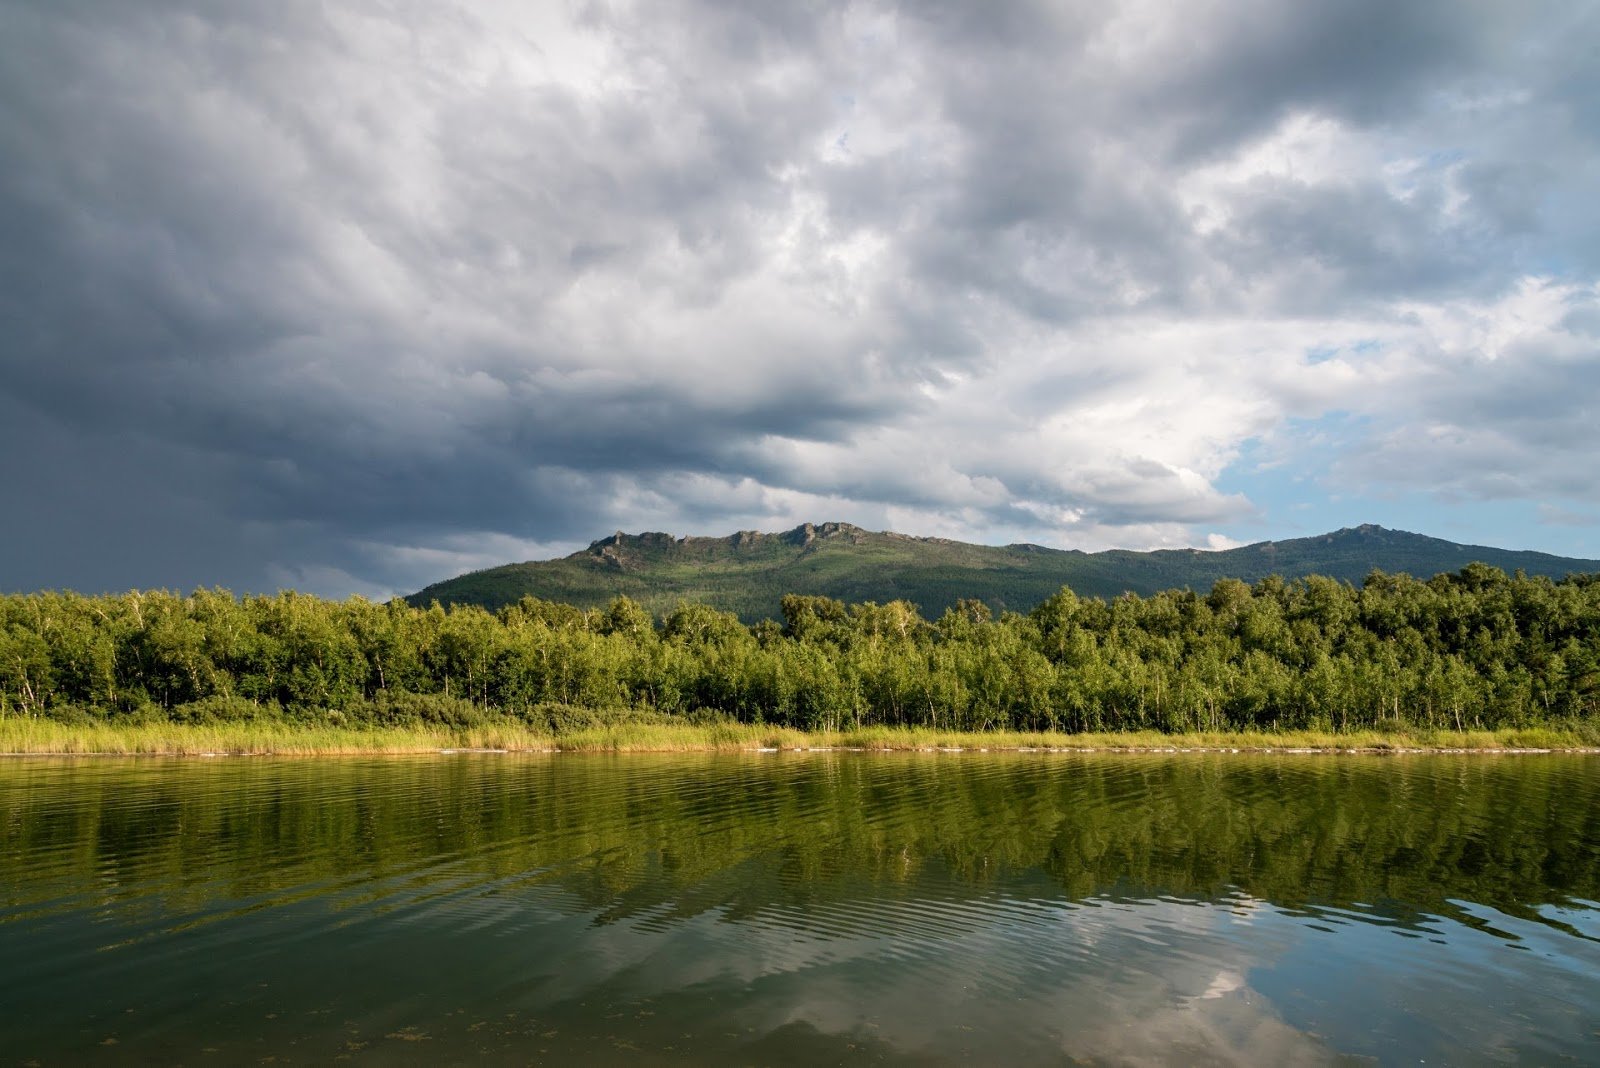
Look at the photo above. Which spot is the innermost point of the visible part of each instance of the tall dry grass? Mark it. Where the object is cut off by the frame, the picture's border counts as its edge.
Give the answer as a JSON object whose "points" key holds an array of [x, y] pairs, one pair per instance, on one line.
{"points": [[19, 735], [22, 735]]}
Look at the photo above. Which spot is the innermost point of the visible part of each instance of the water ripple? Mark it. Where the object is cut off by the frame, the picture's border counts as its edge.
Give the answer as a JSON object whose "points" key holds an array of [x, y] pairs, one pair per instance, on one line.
{"points": [[801, 906]]}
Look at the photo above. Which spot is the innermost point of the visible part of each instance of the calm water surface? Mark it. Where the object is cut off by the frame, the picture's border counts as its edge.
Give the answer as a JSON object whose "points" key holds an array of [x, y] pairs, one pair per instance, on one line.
{"points": [[801, 908]]}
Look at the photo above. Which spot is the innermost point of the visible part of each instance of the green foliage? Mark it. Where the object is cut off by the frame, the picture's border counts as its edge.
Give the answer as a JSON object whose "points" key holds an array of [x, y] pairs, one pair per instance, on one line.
{"points": [[1472, 650]]}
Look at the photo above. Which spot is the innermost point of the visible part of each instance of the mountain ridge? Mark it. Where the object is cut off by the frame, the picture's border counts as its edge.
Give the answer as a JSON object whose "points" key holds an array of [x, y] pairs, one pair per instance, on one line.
{"points": [[749, 571]]}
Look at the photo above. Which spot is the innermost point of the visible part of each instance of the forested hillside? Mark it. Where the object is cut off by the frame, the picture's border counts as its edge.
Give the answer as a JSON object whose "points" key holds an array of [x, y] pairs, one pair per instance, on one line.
{"points": [[748, 573], [1471, 648]]}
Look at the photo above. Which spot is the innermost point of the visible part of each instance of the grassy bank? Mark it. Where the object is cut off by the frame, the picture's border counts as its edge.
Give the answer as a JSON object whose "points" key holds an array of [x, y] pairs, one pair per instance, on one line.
{"points": [[38, 736], [183, 739]]}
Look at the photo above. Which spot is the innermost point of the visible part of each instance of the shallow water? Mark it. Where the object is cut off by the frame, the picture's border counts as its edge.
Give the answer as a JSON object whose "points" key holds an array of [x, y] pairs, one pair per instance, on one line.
{"points": [[802, 908]]}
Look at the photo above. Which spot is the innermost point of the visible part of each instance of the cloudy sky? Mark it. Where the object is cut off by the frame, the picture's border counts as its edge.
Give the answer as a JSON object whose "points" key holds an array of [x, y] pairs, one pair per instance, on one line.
{"points": [[353, 296]]}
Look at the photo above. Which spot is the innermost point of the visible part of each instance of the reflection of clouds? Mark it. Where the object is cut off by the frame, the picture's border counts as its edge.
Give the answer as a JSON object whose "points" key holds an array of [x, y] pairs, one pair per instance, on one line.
{"points": [[1226, 982], [1236, 1028], [1134, 984], [1020, 981]]}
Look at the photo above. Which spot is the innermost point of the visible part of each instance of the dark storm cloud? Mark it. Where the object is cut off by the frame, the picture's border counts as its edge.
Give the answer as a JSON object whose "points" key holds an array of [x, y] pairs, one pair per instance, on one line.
{"points": [[1368, 61], [352, 295]]}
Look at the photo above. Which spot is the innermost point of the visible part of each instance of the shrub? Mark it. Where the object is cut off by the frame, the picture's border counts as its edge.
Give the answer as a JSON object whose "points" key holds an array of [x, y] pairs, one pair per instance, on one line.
{"points": [[220, 709], [392, 709]]}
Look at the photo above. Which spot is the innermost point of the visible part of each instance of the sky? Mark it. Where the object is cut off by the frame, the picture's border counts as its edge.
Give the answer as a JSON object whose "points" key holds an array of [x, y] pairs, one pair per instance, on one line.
{"points": [[351, 297]]}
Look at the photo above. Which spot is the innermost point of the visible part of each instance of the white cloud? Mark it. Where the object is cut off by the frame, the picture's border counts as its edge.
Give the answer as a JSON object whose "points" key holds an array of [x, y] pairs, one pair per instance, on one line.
{"points": [[491, 275]]}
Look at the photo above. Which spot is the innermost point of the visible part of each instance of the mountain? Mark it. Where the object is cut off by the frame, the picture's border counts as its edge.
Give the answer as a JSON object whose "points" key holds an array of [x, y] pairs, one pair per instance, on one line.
{"points": [[748, 573]]}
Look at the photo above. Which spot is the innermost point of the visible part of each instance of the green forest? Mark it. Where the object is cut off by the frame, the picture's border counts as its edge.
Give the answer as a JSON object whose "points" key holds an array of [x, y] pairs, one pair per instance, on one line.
{"points": [[1471, 649]]}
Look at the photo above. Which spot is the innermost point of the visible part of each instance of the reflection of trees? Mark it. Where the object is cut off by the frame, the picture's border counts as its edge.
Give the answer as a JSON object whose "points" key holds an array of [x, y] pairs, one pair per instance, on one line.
{"points": [[676, 836]]}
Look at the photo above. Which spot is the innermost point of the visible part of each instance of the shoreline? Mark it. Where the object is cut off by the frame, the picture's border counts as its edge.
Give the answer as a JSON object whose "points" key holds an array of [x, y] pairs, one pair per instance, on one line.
{"points": [[285, 754], [41, 738]]}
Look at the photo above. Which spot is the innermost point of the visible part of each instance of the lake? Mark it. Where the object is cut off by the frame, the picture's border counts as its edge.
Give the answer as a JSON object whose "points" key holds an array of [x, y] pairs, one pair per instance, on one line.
{"points": [[801, 908]]}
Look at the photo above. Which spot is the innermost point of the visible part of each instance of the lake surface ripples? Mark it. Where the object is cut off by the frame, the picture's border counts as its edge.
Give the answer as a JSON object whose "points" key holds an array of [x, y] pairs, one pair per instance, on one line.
{"points": [[802, 908]]}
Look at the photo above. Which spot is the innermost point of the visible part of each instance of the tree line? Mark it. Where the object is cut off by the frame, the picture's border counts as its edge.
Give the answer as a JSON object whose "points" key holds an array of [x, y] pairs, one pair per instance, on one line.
{"points": [[1476, 648]]}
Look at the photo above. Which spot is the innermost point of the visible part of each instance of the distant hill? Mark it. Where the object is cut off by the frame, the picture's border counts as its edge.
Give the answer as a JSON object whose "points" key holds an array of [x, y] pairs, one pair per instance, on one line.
{"points": [[748, 573]]}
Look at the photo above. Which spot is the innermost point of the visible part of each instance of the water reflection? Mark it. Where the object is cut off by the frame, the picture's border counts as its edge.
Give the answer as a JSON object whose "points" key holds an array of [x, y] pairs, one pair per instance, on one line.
{"points": [[792, 908]]}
